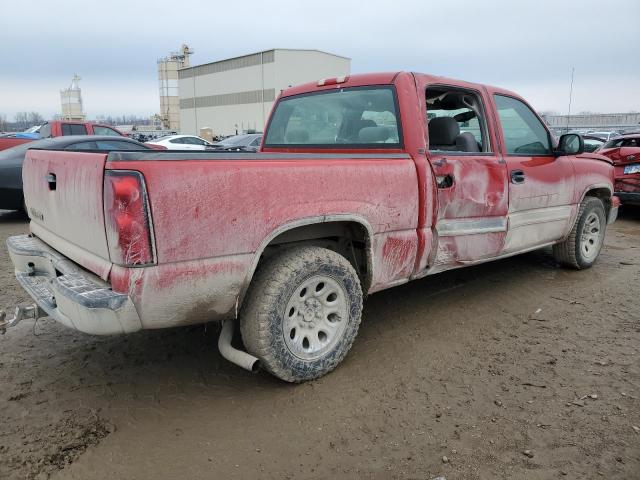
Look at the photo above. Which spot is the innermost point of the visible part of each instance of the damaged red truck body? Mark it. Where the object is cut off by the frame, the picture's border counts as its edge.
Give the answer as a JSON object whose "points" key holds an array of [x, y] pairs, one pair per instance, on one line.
{"points": [[624, 152], [362, 183]]}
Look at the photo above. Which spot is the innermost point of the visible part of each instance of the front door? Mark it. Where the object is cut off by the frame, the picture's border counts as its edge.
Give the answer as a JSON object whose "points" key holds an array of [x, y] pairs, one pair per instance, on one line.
{"points": [[470, 176], [541, 186]]}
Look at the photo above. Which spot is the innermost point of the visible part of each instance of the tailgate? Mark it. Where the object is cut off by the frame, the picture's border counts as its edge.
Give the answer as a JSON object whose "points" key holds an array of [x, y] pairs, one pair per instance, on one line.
{"points": [[63, 193]]}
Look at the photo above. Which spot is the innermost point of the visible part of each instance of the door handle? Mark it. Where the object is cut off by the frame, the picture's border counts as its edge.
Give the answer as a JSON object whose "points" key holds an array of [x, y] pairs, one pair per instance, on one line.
{"points": [[51, 180], [517, 176]]}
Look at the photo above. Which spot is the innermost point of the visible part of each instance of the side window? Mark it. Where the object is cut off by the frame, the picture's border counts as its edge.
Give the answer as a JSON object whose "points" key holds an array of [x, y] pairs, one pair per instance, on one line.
{"points": [[256, 142], [196, 141], [118, 145], [613, 143], [524, 133], [73, 129], [82, 146], [456, 121], [99, 130], [177, 140]]}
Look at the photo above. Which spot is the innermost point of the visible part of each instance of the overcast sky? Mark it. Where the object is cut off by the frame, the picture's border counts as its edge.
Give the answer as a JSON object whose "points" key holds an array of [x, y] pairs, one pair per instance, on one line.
{"points": [[526, 46]]}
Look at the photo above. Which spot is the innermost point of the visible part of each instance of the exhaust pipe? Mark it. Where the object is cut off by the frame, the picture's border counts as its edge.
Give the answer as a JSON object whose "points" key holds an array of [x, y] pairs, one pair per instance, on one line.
{"points": [[240, 358]]}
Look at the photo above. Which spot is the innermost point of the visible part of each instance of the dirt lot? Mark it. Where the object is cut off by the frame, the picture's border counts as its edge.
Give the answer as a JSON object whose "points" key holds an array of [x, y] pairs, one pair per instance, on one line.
{"points": [[515, 369]]}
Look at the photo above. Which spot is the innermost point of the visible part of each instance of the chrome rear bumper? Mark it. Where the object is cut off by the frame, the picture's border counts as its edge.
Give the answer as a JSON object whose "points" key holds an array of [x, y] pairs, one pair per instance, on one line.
{"points": [[67, 293]]}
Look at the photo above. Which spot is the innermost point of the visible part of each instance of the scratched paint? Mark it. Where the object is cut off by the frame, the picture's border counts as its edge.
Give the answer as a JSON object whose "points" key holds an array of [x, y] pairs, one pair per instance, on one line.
{"points": [[230, 207], [394, 258]]}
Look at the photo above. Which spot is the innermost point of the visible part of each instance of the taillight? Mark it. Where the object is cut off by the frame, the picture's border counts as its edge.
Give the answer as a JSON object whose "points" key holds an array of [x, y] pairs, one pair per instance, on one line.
{"points": [[126, 215]]}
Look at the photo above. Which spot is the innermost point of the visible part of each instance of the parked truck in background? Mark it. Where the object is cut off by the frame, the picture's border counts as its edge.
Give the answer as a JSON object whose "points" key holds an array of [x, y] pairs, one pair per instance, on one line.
{"points": [[58, 128], [362, 183]]}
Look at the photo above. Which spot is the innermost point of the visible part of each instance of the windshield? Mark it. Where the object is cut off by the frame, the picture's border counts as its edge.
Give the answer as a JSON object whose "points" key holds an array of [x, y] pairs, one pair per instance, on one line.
{"points": [[359, 117], [34, 129]]}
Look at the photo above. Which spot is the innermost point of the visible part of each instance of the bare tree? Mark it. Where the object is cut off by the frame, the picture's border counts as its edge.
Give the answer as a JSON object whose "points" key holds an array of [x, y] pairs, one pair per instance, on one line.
{"points": [[4, 125], [22, 120], [35, 119]]}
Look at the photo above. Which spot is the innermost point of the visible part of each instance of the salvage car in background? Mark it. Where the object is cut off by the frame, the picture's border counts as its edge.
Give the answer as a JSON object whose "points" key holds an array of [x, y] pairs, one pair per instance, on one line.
{"points": [[11, 159], [248, 142], [624, 151], [606, 136], [592, 143], [181, 142], [347, 197]]}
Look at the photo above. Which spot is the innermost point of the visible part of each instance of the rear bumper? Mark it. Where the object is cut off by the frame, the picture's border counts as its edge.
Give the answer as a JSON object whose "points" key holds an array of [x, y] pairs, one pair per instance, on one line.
{"points": [[69, 294], [629, 197]]}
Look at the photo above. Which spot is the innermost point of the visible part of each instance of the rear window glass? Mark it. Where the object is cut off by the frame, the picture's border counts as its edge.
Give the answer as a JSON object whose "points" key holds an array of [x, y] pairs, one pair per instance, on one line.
{"points": [[100, 130], [73, 129], [361, 117]]}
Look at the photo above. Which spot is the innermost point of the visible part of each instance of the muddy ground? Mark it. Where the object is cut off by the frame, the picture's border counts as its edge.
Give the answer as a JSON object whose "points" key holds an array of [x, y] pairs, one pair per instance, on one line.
{"points": [[514, 369]]}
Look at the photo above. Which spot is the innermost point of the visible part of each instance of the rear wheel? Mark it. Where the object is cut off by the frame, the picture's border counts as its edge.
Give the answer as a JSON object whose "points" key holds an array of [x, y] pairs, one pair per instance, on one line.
{"points": [[302, 313], [582, 247]]}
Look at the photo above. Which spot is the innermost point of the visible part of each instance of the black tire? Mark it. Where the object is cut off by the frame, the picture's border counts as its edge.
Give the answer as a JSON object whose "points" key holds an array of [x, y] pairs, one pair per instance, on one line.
{"points": [[262, 318], [570, 252]]}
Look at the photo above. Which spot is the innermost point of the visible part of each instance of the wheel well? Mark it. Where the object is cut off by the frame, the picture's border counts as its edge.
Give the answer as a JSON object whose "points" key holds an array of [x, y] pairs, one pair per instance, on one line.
{"points": [[348, 238], [604, 194]]}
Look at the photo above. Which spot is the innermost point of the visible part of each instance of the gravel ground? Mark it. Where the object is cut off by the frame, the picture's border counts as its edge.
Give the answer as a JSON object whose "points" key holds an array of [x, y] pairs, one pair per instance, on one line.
{"points": [[513, 369]]}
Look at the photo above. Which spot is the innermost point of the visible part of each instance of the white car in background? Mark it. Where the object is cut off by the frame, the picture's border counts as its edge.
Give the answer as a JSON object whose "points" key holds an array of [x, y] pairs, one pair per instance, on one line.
{"points": [[181, 142]]}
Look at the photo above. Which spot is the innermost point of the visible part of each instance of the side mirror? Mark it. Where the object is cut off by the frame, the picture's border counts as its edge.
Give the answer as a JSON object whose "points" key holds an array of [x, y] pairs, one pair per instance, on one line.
{"points": [[570, 144]]}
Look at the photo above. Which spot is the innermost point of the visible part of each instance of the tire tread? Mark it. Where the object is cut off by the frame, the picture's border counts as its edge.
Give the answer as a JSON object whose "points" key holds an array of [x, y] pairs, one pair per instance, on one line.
{"points": [[264, 292]]}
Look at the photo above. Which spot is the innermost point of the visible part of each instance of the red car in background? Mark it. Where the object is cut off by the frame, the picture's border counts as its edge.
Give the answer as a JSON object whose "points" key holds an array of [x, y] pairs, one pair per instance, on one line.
{"points": [[624, 151], [60, 128]]}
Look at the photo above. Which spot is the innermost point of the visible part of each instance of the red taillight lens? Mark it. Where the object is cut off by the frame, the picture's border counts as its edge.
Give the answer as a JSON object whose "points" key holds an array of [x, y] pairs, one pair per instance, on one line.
{"points": [[126, 217]]}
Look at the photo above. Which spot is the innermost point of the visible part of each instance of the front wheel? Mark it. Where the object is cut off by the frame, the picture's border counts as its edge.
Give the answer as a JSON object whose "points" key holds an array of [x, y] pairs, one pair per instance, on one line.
{"points": [[582, 248], [302, 313]]}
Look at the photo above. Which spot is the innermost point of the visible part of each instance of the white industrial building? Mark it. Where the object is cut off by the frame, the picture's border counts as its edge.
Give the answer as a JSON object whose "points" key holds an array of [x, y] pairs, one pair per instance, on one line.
{"points": [[236, 95]]}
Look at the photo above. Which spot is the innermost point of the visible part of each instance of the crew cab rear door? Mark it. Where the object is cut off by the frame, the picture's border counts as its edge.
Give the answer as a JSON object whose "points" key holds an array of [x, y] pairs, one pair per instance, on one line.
{"points": [[63, 193], [470, 176]]}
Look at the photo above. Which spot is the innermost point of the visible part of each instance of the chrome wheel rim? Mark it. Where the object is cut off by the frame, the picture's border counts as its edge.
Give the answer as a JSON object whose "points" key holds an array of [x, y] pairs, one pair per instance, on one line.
{"points": [[315, 318], [591, 236]]}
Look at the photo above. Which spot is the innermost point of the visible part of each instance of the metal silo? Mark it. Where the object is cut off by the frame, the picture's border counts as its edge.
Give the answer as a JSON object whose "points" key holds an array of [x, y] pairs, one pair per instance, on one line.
{"points": [[71, 101], [168, 81]]}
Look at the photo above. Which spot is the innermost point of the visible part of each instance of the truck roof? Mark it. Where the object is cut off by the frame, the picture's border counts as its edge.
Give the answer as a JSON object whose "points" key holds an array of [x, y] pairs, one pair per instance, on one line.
{"points": [[387, 78]]}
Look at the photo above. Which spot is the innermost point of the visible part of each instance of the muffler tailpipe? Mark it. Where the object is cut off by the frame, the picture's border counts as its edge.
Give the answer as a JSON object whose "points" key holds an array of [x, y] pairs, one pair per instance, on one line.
{"points": [[240, 358]]}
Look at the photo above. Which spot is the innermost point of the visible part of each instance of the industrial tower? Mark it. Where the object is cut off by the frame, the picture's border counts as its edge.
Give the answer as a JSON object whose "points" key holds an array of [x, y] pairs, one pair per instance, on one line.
{"points": [[71, 101], [168, 79]]}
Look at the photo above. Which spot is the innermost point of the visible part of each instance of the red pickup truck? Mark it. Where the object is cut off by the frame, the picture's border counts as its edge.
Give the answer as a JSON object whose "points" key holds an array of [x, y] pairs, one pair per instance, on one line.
{"points": [[362, 183], [59, 128]]}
